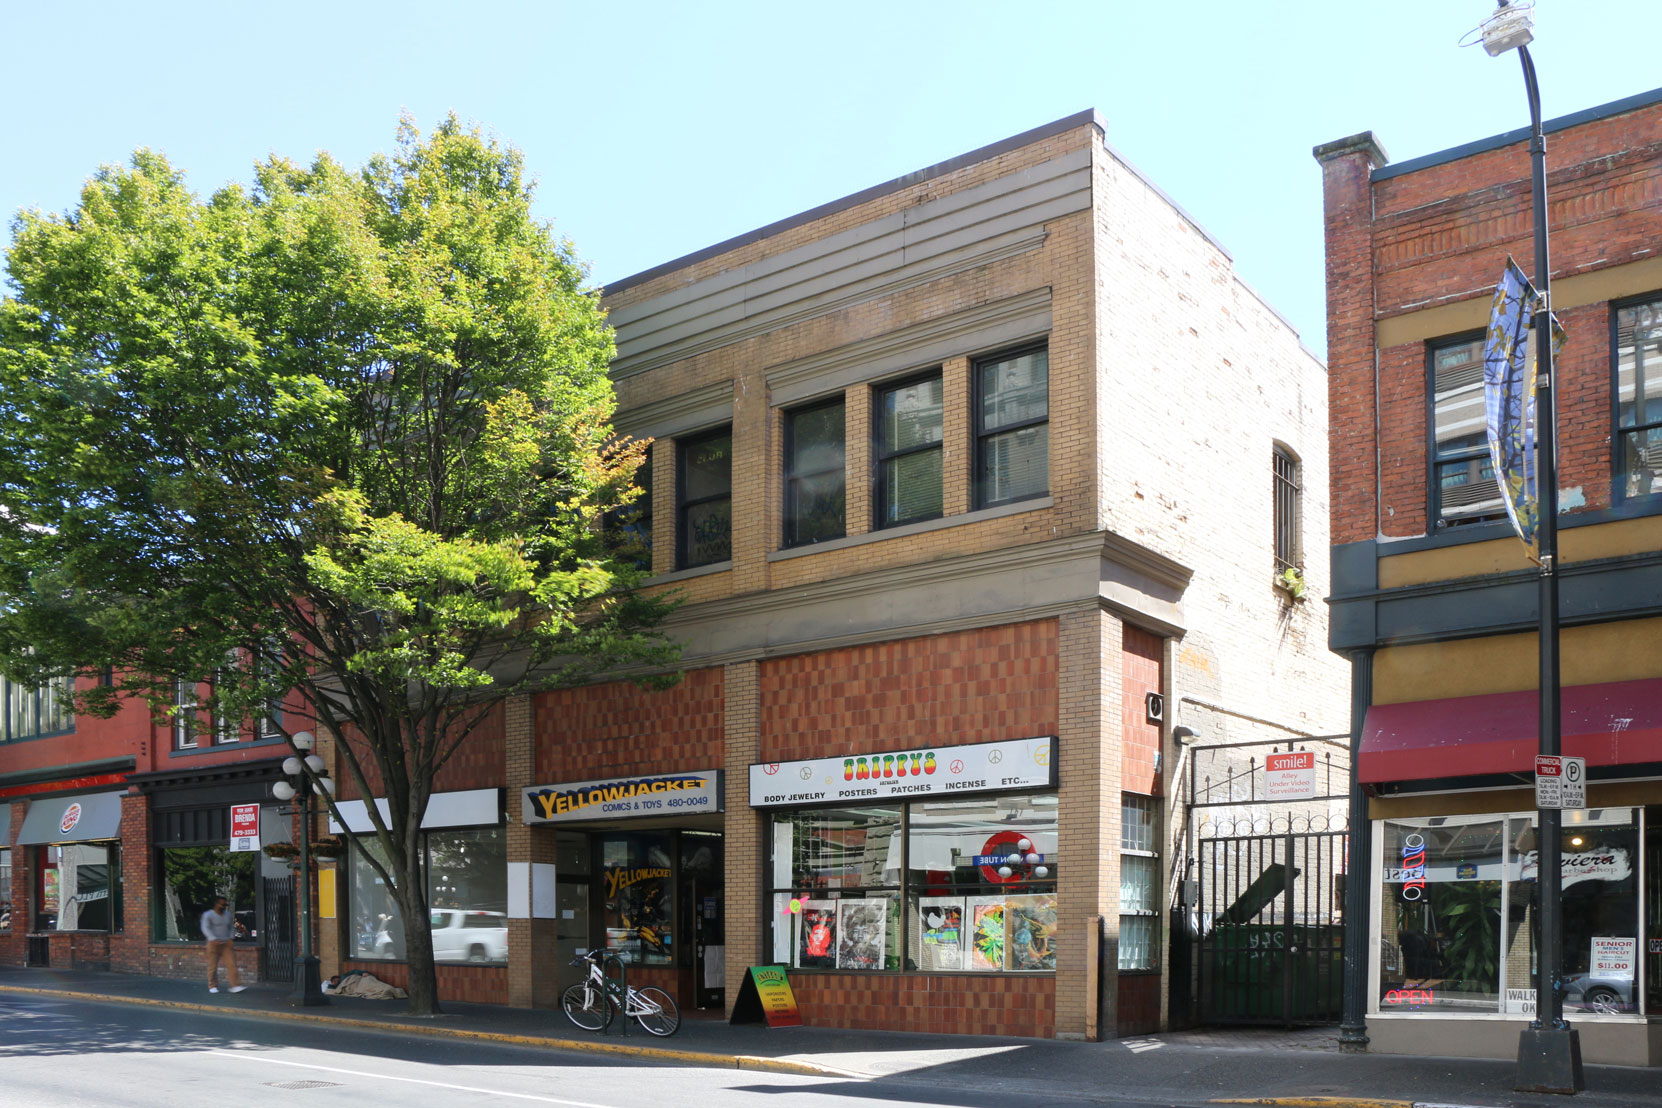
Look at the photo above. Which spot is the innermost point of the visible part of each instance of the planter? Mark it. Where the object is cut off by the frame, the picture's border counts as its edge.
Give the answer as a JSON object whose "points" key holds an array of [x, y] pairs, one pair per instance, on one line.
{"points": [[280, 851]]}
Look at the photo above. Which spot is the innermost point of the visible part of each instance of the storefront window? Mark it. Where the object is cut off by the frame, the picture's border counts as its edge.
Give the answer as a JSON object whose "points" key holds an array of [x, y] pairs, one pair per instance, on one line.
{"points": [[639, 901], [467, 897], [79, 887], [5, 889], [976, 878], [191, 877], [1458, 913]]}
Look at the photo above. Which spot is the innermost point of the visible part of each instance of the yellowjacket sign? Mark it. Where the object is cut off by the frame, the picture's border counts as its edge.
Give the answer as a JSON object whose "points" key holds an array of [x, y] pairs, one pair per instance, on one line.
{"points": [[624, 797]]}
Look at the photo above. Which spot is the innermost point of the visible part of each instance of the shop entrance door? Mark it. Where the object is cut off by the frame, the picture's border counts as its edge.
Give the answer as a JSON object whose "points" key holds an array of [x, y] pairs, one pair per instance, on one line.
{"points": [[709, 947]]}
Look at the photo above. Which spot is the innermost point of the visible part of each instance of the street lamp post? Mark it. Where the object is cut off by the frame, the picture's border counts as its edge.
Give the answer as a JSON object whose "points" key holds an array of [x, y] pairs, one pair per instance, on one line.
{"points": [[1549, 1049], [303, 776]]}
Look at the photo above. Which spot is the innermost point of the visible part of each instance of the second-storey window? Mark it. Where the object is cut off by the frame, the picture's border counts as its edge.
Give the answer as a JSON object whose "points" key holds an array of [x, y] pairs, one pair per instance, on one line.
{"points": [[814, 484], [1287, 493], [908, 455], [1638, 369], [28, 712], [185, 706], [1012, 427], [704, 499], [1463, 485]]}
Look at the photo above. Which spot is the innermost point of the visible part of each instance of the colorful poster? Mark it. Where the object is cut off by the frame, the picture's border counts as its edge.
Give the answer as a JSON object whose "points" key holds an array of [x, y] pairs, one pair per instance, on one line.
{"points": [[1030, 923], [986, 938], [941, 933], [861, 927], [816, 935]]}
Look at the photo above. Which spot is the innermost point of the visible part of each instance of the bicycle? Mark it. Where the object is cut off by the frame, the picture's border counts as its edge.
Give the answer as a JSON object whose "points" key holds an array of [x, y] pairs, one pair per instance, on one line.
{"points": [[591, 1002]]}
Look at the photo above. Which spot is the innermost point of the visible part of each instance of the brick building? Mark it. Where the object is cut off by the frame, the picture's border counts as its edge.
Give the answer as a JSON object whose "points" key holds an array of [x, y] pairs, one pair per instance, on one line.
{"points": [[1434, 601], [982, 488], [954, 474], [116, 837]]}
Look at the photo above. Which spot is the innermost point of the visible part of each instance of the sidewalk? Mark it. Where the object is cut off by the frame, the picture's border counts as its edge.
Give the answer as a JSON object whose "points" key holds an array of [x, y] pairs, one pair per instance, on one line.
{"points": [[1295, 1069]]}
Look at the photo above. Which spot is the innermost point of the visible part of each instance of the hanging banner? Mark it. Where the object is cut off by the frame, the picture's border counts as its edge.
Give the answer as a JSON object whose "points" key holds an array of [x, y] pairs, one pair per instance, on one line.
{"points": [[1509, 399]]}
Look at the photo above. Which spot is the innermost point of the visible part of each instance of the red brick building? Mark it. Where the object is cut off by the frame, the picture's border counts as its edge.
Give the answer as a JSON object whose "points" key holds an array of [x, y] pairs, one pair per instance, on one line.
{"points": [[1434, 600]]}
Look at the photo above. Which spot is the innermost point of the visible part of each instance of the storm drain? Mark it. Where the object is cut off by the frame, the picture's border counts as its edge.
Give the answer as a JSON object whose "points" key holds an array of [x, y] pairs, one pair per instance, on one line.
{"points": [[302, 1084]]}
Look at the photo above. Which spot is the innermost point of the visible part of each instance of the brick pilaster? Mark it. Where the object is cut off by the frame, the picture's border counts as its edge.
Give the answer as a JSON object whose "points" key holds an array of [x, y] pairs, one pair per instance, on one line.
{"points": [[745, 848]]}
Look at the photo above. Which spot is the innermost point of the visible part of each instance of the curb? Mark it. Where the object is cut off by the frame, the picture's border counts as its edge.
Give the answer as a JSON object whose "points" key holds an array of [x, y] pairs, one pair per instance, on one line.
{"points": [[657, 1054], [1327, 1102]]}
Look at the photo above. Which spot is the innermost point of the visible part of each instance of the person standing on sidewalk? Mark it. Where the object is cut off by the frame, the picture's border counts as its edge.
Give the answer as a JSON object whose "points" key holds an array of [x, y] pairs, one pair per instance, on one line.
{"points": [[219, 928]]}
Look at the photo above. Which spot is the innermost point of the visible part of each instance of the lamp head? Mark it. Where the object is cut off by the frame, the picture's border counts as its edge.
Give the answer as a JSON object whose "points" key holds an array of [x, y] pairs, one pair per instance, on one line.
{"points": [[1509, 28], [282, 790], [291, 766], [303, 740]]}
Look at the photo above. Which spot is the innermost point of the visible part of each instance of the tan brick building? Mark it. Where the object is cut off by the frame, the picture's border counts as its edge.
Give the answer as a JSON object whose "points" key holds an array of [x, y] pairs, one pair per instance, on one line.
{"points": [[969, 482]]}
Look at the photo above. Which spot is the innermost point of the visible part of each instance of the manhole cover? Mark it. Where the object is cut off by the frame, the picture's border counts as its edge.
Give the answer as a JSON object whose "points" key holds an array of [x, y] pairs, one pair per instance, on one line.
{"points": [[303, 1084]]}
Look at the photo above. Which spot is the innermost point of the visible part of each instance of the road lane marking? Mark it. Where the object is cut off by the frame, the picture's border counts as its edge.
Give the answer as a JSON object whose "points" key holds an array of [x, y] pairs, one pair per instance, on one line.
{"points": [[410, 1080]]}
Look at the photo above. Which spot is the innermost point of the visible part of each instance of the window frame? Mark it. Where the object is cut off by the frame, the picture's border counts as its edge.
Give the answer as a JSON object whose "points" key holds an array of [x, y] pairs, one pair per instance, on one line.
{"points": [[1138, 847], [1618, 475], [41, 704], [791, 476], [683, 504], [1288, 508], [982, 435], [186, 732], [882, 459], [1435, 520]]}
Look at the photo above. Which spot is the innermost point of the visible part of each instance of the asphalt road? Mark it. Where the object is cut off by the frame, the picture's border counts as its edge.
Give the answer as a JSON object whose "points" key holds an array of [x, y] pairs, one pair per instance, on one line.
{"points": [[76, 1054]]}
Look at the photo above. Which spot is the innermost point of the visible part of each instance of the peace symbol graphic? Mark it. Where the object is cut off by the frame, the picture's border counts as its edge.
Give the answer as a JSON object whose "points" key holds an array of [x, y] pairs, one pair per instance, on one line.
{"points": [[957, 765], [807, 772], [995, 756]]}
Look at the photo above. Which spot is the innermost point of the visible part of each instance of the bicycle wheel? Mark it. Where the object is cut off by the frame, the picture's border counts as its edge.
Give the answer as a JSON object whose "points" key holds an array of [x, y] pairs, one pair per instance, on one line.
{"points": [[586, 1006], [655, 1010]]}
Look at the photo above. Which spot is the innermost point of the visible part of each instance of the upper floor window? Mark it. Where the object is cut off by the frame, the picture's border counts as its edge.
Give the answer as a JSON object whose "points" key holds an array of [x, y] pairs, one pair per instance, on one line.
{"points": [[1463, 485], [1638, 369], [1012, 427], [1288, 554], [704, 499], [31, 712], [814, 474], [630, 527], [268, 661], [185, 705], [908, 455]]}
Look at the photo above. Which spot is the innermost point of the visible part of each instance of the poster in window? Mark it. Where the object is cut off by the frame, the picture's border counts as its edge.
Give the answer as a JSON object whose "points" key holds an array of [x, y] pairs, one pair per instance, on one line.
{"points": [[986, 938], [861, 925], [816, 935], [941, 936], [1030, 926]]}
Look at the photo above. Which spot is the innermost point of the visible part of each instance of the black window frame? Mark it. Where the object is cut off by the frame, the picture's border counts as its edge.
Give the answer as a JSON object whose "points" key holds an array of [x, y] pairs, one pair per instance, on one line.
{"points": [[1287, 479], [684, 504], [982, 435], [630, 527], [882, 458], [791, 536], [1618, 472], [1478, 455]]}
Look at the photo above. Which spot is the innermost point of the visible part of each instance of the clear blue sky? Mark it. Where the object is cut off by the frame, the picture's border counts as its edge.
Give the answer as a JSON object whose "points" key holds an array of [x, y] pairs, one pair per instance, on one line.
{"points": [[656, 129]]}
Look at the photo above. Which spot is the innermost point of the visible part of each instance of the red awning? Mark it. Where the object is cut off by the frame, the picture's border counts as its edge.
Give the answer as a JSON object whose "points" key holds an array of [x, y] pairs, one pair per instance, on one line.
{"points": [[1619, 723]]}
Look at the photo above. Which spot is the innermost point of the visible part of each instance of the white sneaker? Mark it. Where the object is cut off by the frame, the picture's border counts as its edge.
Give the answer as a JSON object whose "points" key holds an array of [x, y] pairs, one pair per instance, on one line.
{"points": [[213, 988], [238, 988]]}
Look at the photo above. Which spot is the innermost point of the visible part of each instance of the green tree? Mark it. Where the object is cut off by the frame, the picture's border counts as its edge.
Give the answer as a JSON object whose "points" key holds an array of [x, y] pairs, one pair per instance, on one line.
{"points": [[341, 437]]}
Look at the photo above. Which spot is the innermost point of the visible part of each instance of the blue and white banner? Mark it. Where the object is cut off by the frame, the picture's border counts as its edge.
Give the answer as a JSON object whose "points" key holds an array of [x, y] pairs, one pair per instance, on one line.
{"points": [[1509, 399]]}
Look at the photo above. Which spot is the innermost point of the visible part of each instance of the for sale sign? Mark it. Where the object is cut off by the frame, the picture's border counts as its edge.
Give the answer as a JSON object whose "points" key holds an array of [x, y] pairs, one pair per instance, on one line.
{"points": [[1290, 776], [245, 827]]}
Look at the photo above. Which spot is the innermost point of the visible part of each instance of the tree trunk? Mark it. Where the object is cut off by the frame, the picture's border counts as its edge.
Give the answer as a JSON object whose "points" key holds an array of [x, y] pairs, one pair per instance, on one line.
{"points": [[418, 948]]}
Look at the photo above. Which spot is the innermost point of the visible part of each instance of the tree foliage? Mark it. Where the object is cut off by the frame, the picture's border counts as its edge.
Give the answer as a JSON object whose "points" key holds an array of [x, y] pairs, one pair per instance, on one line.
{"points": [[337, 436]]}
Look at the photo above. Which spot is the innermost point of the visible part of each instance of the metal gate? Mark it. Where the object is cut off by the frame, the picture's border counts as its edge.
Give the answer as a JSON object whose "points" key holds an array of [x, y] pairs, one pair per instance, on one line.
{"points": [[1264, 917], [1271, 937], [277, 927]]}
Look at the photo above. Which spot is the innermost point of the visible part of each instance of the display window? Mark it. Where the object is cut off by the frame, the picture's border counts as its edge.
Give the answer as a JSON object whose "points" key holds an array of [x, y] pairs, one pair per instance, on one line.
{"points": [[5, 888], [466, 872], [638, 909], [78, 887], [192, 877], [1458, 913], [940, 886]]}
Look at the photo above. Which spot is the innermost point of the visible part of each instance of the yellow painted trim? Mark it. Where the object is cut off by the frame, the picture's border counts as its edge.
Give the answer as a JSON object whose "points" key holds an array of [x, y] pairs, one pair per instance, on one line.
{"points": [[1611, 283], [1478, 559], [664, 1054], [1626, 650]]}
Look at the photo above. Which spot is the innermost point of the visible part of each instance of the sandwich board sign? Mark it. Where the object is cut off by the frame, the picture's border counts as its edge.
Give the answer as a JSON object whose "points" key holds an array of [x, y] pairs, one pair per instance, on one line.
{"points": [[766, 997]]}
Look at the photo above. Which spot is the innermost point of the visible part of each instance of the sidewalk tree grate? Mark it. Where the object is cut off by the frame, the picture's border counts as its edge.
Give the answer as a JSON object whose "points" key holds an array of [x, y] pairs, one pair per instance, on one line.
{"points": [[302, 1084]]}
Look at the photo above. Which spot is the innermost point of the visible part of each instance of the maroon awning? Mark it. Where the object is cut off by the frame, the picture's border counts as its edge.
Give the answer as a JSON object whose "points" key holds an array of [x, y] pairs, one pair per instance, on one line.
{"points": [[1619, 723]]}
